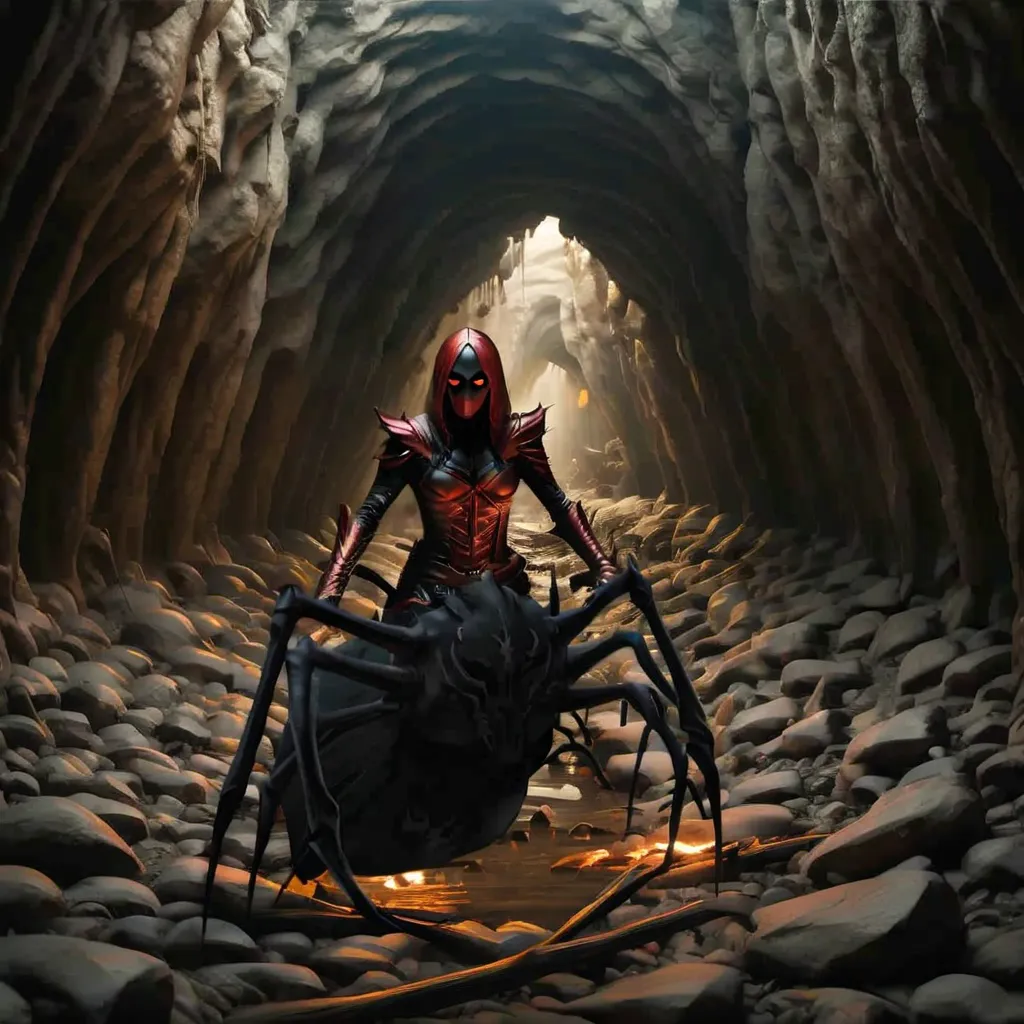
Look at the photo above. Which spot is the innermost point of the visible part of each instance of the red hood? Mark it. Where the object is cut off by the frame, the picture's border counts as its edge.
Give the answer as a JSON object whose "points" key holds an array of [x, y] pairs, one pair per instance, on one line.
{"points": [[499, 407]]}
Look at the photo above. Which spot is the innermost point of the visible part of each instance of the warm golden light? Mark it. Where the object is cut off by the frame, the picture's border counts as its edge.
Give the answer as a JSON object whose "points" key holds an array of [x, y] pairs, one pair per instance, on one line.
{"points": [[584, 398], [401, 881]]}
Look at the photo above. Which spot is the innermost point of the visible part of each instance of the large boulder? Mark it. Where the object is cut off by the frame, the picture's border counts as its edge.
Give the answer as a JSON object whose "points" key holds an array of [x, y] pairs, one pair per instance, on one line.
{"points": [[938, 817], [879, 930]]}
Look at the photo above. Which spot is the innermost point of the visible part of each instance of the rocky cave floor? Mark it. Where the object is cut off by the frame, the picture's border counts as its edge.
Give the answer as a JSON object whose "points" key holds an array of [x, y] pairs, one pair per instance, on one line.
{"points": [[842, 703]]}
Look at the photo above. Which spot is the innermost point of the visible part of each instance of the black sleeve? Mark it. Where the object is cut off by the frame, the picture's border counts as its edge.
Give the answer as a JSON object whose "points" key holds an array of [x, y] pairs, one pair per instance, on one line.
{"points": [[531, 463], [393, 473]]}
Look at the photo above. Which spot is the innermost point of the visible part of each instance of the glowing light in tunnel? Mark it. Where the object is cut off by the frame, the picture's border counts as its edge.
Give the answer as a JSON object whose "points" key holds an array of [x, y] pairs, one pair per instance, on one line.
{"points": [[584, 399]]}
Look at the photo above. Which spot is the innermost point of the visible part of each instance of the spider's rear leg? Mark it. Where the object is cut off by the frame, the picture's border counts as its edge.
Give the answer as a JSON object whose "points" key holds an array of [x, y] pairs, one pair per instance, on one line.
{"points": [[646, 704], [700, 742], [291, 606], [573, 746], [323, 815]]}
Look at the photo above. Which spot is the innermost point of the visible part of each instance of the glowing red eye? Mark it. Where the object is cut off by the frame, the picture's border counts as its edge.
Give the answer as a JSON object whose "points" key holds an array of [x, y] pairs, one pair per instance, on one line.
{"points": [[454, 382], [479, 382]]}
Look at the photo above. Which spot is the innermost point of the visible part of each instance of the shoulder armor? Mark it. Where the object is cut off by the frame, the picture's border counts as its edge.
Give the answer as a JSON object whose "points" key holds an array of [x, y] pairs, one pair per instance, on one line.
{"points": [[406, 438], [525, 430]]}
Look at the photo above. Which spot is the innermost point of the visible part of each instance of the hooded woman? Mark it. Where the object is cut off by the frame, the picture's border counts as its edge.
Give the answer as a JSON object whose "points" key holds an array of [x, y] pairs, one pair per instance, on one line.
{"points": [[464, 460]]}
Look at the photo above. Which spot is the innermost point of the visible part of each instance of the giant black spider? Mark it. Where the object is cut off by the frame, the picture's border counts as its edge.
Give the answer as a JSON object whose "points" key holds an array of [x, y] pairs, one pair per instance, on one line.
{"points": [[409, 762]]}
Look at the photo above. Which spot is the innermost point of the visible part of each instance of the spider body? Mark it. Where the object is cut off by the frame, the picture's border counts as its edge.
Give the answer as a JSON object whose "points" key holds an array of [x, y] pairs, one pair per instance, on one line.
{"points": [[413, 745], [446, 772]]}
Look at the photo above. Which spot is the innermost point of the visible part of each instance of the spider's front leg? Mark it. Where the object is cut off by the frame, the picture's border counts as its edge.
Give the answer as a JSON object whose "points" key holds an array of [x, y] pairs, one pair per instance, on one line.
{"points": [[692, 720], [647, 704]]}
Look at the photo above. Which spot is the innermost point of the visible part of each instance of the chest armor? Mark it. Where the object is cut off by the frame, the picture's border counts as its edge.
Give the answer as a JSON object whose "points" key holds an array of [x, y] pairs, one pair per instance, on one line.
{"points": [[465, 499]]}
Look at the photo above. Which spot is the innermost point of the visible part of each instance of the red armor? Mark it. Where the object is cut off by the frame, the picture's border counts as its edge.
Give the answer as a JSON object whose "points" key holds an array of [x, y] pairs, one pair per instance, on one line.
{"points": [[464, 472]]}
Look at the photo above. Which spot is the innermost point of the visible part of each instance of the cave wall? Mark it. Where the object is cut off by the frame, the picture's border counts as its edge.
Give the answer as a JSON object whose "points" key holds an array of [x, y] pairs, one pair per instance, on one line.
{"points": [[231, 226]]}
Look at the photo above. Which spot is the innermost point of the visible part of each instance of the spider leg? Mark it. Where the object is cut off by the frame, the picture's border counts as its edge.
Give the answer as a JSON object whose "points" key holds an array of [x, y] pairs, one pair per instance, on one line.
{"points": [[569, 624], [641, 749], [646, 704], [696, 797], [323, 816], [581, 658], [571, 746], [588, 737], [394, 680], [553, 601], [700, 741], [322, 812], [270, 801], [291, 606]]}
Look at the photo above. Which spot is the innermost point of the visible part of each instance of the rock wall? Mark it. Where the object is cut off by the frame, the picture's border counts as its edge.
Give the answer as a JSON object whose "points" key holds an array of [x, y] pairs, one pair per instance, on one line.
{"points": [[231, 226]]}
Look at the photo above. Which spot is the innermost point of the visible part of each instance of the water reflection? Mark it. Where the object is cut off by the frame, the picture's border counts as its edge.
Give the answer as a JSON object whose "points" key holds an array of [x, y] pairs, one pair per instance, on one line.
{"points": [[513, 880]]}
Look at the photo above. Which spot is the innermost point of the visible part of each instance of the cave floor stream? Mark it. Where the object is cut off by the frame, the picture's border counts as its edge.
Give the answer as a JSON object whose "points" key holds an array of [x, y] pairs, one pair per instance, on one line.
{"points": [[513, 880]]}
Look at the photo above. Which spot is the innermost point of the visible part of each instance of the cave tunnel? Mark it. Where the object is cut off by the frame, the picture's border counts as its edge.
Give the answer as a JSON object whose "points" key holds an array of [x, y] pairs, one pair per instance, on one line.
{"points": [[763, 259]]}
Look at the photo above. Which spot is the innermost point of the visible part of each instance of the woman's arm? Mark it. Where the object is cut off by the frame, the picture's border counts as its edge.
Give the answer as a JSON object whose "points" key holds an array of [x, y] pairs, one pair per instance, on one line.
{"points": [[571, 523], [353, 537]]}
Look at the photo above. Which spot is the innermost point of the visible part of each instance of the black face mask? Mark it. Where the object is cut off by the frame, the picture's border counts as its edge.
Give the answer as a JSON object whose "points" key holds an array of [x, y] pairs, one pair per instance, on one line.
{"points": [[468, 386]]}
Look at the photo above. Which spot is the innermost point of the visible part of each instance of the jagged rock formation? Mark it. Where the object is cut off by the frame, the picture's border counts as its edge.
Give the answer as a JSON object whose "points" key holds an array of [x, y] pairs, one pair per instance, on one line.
{"points": [[231, 225]]}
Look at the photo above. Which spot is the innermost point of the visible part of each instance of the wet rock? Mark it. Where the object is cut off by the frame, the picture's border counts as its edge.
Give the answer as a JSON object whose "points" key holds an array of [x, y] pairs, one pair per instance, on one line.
{"points": [[344, 961], [785, 644], [800, 678], [655, 769], [960, 999], [763, 721], [124, 818], [767, 788], [21, 731], [830, 1006], [160, 632], [100, 703], [28, 684], [61, 775], [97, 982], [812, 736], [28, 900], [923, 666], [903, 631], [185, 945], [995, 864], [868, 788], [156, 691], [874, 931], [188, 787], [293, 946], [13, 1008], [123, 897], [137, 662], [696, 991], [70, 729], [1005, 771], [184, 880], [564, 987], [937, 817], [64, 840], [14, 784], [859, 631], [1001, 958], [275, 981], [894, 745], [968, 673], [181, 727]]}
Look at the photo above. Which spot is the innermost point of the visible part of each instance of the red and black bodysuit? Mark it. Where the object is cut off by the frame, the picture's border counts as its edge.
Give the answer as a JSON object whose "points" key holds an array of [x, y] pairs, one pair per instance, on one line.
{"points": [[464, 460]]}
